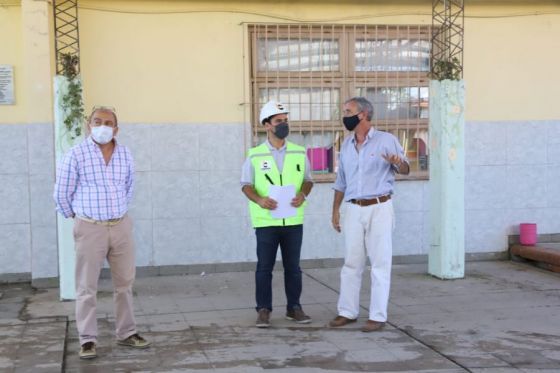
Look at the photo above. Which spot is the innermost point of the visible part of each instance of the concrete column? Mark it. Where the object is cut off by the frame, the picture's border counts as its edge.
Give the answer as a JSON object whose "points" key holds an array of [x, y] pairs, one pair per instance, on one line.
{"points": [[36, 96], [63, 141], [38, 57], [447, 179]]}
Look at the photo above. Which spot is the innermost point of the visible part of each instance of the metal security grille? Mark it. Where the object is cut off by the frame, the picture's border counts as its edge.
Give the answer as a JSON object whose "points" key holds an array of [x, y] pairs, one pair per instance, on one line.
{"points": [[67, 40], [313, 69], [448, 19]]}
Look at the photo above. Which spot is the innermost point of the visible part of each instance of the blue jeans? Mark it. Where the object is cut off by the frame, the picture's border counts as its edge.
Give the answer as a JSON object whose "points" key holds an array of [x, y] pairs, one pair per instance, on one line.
{"points": [[268, 238]]}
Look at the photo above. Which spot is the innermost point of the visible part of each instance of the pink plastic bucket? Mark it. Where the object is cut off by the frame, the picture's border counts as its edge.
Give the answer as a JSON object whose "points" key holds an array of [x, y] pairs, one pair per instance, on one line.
{"points": [[528, 234], [318, 158]]}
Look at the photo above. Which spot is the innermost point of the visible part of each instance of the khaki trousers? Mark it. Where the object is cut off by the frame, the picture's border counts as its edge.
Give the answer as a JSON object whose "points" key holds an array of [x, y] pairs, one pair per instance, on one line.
{"points": [[94, 243]]}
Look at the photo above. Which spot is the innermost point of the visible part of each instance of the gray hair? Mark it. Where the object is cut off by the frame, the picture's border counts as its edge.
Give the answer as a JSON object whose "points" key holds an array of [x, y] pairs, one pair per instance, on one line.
{"points": [[363, 105], [107, 109]]}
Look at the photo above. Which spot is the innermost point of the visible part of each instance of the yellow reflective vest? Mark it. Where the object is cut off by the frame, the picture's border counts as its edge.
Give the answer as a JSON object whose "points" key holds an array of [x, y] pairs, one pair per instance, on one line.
{"points": [[266, 174]]}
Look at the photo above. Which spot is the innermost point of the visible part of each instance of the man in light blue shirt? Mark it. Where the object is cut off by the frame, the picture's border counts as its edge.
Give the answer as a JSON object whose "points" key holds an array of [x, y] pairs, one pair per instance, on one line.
{"points": [[367, 165]]}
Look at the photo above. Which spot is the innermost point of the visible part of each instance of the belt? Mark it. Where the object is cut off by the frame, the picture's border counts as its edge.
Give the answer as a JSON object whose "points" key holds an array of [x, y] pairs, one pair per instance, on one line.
{"points": [[373, 201], [107, 223]]}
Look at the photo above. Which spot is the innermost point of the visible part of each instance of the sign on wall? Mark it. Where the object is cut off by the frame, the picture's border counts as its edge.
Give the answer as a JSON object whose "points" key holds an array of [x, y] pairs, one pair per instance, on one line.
{"points": [[6, 85]]}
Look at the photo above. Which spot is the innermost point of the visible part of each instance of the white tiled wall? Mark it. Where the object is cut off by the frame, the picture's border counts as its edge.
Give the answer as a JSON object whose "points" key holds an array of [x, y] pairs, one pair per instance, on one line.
{"points": [[26, 178], [188, 206]]}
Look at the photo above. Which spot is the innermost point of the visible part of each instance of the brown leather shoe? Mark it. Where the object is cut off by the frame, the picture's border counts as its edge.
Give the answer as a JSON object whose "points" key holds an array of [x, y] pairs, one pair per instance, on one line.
{"points": [[263, 320], [87, 351], [340, 321], [298, 316], [372, 326]]}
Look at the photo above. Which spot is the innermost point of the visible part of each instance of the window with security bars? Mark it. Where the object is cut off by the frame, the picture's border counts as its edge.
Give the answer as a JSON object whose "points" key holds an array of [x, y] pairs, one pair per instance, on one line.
{"points": [[313, 69]]}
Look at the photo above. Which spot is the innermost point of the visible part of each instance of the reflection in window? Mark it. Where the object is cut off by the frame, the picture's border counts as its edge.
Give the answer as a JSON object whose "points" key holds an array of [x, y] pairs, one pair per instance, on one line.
{"points": [[306, 103], [392, 55], [397, 102], [415, 145], [297, 55]]}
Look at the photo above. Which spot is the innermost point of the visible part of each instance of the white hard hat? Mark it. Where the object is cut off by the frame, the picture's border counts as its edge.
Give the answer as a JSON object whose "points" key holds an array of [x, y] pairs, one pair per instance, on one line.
{"points": [[272, 108]]}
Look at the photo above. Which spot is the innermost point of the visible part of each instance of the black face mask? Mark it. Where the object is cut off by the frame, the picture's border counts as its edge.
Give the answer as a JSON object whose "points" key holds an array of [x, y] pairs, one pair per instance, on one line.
{"points": [[281, 130], [351, 122]]}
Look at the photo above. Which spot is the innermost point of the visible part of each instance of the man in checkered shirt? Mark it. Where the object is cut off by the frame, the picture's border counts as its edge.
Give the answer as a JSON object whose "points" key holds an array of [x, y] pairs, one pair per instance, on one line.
{"points": [[94, 186]]}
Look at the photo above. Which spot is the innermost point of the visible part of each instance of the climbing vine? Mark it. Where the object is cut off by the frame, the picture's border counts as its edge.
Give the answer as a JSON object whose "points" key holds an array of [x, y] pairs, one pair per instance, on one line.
{"points": [[446, 70], [72, 100]]}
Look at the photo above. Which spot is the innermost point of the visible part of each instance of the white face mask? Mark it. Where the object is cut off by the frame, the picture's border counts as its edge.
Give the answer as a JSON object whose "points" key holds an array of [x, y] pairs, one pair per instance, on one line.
{"points": [[102, 134]]}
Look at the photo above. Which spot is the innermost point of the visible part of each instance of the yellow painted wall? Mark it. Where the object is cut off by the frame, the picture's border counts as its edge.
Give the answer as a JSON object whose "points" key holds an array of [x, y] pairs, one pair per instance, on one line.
{"points": [[512, 68], [192, 66], [184, 61], [11, 45], [187, 62]]}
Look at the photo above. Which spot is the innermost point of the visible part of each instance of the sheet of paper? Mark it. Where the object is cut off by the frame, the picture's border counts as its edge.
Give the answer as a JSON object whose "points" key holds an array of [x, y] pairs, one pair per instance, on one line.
{"points": [[283, 195]]}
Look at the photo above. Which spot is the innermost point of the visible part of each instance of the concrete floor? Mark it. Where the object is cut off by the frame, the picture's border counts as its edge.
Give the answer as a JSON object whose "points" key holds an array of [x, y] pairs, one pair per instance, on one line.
{"points": [[503, 317]]}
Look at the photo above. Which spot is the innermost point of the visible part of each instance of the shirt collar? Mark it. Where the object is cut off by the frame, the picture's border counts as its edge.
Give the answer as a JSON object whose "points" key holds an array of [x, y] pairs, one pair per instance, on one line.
{"points": [[368, 136], [283, 147]]}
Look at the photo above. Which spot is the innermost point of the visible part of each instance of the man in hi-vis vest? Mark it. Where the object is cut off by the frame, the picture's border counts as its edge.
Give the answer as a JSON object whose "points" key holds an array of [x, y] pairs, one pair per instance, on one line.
{"points": [[280, 163]]}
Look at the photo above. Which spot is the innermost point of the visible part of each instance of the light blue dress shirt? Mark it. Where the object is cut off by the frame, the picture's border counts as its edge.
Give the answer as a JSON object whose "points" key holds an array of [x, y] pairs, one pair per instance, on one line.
{"points": [[364, 173]]}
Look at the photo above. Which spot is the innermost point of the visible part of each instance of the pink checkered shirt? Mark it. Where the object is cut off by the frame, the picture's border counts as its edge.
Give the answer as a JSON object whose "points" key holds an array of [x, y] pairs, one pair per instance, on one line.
{"points": [[87, 187]]}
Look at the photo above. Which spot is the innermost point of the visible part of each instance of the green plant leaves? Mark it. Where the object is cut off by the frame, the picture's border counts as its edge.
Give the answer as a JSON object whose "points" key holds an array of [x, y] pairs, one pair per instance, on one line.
{"points": [[446, 70], [72, 102]]}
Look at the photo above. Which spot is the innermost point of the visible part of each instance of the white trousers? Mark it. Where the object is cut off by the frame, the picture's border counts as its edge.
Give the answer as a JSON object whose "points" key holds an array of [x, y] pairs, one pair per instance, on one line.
{"points": [[367, 231]]}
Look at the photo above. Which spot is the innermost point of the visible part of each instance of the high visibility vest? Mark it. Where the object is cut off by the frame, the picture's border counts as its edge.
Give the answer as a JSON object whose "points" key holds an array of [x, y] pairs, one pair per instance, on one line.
{"points": [[266, 174]]}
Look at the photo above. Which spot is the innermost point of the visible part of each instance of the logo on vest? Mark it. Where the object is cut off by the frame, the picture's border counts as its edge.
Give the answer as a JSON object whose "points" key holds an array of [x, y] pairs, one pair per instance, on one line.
{"points": [[265, 166]]}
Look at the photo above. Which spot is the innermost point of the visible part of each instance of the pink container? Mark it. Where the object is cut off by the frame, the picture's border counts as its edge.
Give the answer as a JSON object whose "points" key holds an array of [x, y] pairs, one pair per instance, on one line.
{"points": [[318, 157], [528, 234]]}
